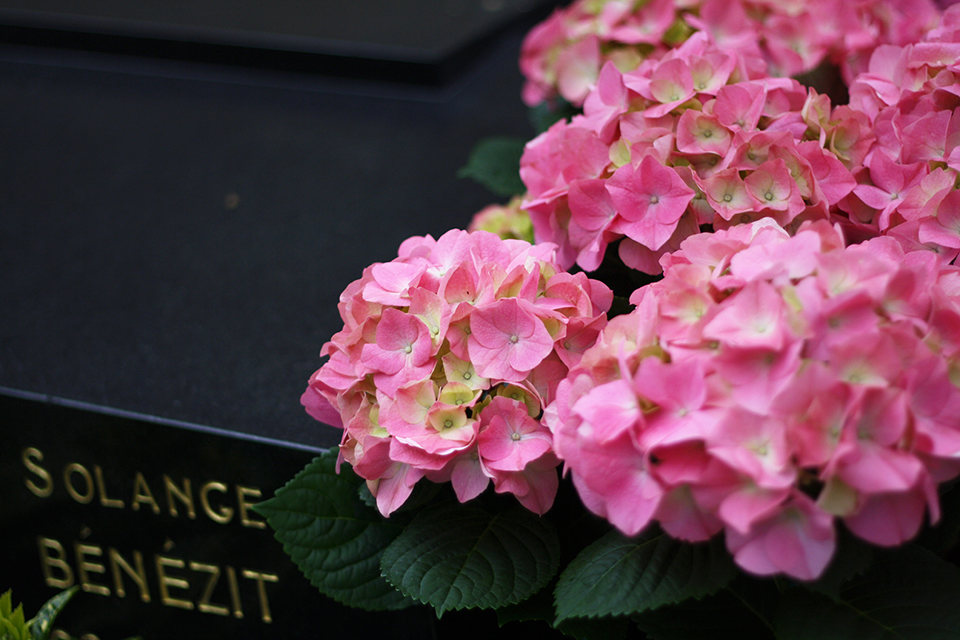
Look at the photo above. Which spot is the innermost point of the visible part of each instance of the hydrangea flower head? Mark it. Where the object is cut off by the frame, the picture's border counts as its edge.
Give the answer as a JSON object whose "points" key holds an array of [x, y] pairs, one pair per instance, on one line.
{"points": [[447, 357], [681, 142], [768, 386], [907, 181], [563, 55]]}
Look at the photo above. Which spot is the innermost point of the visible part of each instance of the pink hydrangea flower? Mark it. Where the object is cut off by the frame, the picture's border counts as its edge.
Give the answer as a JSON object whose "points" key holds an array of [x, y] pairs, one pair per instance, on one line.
{"points": [[907, 177], [769, 385], [681, 142], [564, 55], [447, 357]]}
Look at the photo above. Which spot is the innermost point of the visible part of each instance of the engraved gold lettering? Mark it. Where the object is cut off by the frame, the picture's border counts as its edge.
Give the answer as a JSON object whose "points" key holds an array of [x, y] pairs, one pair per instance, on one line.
{"points": [[86, 566], [83, 497], [184, 495], [142, 494], [28, 456], [245, 519], [262, 591], [138, 574], [234, 592], [50, 562], [224, 514], [167, 581], [204, 604], [171, 572], [102, 489]]}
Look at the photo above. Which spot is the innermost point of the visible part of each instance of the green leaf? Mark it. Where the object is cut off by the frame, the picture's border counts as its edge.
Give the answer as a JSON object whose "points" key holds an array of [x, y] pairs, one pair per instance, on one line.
{"points": [[730, 613], [539, 607], [453, 556], [12, 623], [495, 163], [9, 631], [908, 594], [333, 537], [42, 623], [623, 576]]}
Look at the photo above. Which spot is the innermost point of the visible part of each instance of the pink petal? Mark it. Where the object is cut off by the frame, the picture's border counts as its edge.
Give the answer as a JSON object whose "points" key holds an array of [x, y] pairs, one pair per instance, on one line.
{"points": [[609, 409], [650, 199], [888, 519], [509, 438], [506, 341], [320, 408], [798, 540]]}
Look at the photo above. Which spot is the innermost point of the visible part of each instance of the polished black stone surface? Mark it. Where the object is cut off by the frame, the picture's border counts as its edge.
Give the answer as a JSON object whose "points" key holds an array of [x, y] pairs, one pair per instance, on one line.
{"points": [[174, 236], [426, 41], [84, 491]]}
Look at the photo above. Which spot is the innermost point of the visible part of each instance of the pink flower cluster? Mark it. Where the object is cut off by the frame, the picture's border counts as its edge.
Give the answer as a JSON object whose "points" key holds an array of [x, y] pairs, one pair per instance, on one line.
{"points": [[447, 357], [768, 386], [564, 54], [907, 184], [689, 139]]}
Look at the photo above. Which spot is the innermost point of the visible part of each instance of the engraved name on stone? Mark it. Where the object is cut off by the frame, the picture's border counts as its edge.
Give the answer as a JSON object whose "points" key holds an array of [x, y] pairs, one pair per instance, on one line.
{"points": [[159, 577]]}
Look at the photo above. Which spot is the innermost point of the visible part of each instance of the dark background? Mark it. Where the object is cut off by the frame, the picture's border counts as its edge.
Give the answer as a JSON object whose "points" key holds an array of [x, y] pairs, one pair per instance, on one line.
{"points": [[177, 220]]}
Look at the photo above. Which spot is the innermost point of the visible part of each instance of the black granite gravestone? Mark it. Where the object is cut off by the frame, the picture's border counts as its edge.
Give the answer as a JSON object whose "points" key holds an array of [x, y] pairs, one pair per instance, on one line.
{"points": [[426, 41], [174, 237]]}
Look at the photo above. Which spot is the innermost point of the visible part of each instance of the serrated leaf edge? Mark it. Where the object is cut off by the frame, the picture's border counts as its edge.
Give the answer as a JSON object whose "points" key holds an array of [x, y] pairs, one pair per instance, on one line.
{"points": [[299, 551], [554, 553], [638, 544]]}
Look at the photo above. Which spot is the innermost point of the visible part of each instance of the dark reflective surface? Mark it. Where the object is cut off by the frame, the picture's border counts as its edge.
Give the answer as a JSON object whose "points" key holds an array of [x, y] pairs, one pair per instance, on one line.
{"points": [[151, 520], [174, 237], [425, 42]]}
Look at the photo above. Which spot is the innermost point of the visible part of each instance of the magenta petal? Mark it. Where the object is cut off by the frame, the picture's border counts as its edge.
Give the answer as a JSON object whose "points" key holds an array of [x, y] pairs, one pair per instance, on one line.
{"points": [[393, 490], [535, 487], [799, 541], [751, 319], [320, 408], [509, 438], [402, 340], [619, 477], [610, 409], [650, 200], [391, 282], [543, 484], [875, 469], [506, 341], [682, 518], [741, 508], [888, 519], [467, 477]]}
